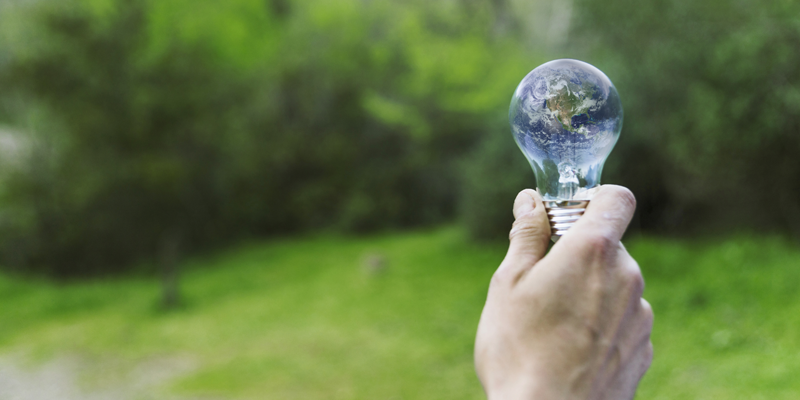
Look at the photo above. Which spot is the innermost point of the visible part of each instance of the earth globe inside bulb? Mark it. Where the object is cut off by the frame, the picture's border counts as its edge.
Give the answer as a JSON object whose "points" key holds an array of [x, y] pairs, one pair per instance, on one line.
{"points": [[566, 116]]}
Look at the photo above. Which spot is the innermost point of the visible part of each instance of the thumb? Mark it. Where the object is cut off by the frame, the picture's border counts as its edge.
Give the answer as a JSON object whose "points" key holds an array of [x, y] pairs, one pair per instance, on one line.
{"points": [[529, 235]]}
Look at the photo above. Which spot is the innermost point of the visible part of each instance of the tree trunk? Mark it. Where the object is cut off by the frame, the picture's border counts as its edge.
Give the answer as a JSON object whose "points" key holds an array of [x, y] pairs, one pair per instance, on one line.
{"points": [[169, 249]]}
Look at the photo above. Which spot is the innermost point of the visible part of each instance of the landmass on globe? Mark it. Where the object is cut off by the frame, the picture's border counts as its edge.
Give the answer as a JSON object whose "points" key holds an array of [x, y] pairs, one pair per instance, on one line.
{"points": [[569, 102], [566, 117]]}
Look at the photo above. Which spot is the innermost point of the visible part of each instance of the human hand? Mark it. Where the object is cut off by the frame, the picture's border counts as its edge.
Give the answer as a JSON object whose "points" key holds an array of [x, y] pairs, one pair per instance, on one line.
{"points": [[571, 324]]}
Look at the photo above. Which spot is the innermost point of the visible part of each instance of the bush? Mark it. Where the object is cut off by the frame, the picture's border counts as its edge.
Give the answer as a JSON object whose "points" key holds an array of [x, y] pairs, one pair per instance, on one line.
{"points": [[176, 121], [712, 109], [493, 175], [148, 123]]}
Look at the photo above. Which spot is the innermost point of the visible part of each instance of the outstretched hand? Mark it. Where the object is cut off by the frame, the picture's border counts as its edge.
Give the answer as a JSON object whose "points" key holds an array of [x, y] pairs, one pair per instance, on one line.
{"points": [[571, 324]]}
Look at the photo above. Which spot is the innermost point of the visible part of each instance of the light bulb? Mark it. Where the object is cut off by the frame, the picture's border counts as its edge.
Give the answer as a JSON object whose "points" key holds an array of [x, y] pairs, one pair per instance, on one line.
{"points": [[566, 116]]}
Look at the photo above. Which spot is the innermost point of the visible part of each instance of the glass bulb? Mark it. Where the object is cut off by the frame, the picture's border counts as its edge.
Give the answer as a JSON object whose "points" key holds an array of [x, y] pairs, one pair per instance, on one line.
{"points": [[566, 117]]}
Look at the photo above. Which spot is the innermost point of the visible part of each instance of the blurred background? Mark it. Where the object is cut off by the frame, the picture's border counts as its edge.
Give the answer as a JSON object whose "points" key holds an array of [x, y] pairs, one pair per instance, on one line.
{"points": [[305, 199]]}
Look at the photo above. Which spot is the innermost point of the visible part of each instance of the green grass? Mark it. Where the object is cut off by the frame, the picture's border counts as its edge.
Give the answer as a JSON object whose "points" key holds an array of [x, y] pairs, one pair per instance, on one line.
{"points": [[302, 319]]}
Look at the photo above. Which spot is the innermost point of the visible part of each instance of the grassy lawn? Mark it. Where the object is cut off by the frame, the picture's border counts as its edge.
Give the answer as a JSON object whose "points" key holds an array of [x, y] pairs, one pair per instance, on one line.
{"points": [[308, 319]]}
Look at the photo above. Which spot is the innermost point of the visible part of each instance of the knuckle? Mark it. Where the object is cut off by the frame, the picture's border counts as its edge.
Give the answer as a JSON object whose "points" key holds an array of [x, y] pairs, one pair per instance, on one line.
{"points": [[499, 277], [496, 279], [648, 309], [647, 313], [505, 275], [625, 196], [600, 243], [528, 226], [587, 339], [634, 279], [648, 354], [632, 264]]}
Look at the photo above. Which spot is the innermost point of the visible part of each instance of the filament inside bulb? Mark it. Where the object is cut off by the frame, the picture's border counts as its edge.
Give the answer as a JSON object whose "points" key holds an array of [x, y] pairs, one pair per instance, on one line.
{"points": [[567, 181]]}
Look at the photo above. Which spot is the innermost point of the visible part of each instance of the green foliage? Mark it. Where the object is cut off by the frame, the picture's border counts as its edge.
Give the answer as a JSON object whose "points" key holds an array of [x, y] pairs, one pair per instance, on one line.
{"points": [[207, 121], [493, 175], [306, 318], [140, 154], [710, 91], [212, 122]]}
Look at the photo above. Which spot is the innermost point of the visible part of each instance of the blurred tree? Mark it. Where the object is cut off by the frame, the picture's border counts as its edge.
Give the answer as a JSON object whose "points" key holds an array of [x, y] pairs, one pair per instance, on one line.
{"points": [[493, 175], [712, 111], [159, 128], [710, 91], [204, 122], [141, 155]]}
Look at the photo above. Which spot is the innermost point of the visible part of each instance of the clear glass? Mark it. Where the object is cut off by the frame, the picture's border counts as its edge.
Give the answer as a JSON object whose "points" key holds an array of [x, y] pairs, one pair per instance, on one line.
{"points": [[566, 117]]}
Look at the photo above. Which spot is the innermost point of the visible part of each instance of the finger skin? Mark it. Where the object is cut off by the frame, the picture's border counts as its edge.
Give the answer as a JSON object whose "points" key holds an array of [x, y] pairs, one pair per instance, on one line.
{"points": [[528, 239], [601, 227], [609, 213]]}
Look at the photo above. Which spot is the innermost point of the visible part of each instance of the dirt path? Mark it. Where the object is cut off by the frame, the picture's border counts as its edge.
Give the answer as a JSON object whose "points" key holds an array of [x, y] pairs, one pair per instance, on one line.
{"points": [[73, 378]]}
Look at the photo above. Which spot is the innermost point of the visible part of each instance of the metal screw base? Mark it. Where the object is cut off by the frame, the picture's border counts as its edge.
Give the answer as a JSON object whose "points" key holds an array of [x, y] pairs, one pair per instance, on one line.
{"points": [[563, 214]]}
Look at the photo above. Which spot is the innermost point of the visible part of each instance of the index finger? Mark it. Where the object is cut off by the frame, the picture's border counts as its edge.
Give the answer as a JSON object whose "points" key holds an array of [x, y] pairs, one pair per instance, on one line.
{"points": [[607, 216]]}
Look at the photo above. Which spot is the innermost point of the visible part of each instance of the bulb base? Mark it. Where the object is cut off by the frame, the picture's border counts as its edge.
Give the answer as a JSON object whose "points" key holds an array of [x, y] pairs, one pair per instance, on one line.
{"points": [[563, 214]]}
